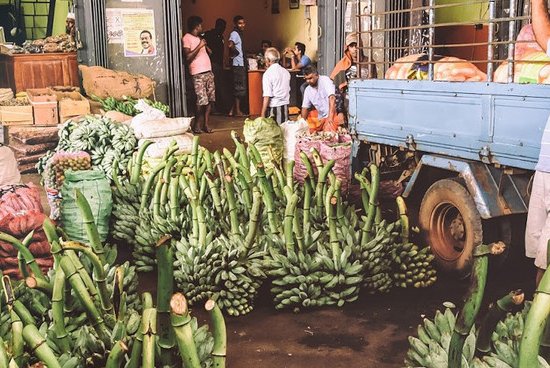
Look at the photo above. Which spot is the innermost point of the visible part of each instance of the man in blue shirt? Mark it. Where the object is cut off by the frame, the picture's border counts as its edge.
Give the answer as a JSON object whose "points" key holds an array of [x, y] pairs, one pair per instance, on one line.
{"points": [[238, 60], [299, 60]]}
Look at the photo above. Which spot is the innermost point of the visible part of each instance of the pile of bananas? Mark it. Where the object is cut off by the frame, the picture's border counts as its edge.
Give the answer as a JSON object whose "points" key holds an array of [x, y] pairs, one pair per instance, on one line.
{"points": [[127, 105], [107, 142], [412, 266], [374, 257]]}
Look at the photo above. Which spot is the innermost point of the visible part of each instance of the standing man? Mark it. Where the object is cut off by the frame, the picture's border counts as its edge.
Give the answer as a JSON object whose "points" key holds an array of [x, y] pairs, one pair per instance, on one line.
{"points": [[276, 87], [216, 44], [200, 69], [238, 60], [319, 94], [537, 232]]}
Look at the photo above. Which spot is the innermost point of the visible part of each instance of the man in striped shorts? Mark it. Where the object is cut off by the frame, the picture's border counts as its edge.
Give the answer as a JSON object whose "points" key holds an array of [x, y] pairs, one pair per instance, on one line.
{"points": [[276, 87]]}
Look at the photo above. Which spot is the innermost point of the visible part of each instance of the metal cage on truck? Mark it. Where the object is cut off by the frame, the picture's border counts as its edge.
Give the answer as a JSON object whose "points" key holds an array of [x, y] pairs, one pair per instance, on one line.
{"points": [[466, 150]]}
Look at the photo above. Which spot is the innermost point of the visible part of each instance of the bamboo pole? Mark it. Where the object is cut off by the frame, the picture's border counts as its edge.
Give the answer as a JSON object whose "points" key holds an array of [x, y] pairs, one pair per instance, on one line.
{"points": [[116, 356], [148, 330], [219, 351]]}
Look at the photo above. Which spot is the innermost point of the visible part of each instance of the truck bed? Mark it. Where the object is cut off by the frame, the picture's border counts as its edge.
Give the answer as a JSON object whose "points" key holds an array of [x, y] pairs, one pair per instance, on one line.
{"points": [[490, 122]]}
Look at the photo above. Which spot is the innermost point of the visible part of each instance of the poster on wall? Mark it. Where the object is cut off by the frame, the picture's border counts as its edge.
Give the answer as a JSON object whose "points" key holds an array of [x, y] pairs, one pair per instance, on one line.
{"points": [[113, 20], [139, 32]]}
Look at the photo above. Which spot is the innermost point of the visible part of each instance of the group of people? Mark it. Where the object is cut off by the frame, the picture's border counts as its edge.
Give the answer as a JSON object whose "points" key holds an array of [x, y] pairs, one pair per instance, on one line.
{"points": [[204, 54]]}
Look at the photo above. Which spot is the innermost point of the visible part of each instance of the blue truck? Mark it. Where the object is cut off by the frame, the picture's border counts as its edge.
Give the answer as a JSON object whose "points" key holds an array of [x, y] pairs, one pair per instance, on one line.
{"points": [[465, 151]]}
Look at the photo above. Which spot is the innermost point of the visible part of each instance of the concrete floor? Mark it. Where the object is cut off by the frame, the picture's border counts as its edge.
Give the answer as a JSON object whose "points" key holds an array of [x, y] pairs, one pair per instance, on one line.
{"points": [[371, 332]]}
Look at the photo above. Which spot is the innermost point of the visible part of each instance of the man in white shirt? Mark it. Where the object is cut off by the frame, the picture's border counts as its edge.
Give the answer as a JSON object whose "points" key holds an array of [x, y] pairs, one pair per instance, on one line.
{"points": [[276, 87], [319, 94]]}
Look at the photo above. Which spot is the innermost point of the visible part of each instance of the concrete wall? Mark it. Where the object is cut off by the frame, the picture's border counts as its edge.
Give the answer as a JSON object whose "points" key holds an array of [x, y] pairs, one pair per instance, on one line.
{"points": [[282, 29]]}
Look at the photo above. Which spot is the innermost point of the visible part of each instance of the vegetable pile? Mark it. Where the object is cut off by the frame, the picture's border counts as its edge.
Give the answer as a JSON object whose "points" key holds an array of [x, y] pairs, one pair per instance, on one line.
{"points": [[85, 312], [127, 105], [108, 143], [222, 223]]}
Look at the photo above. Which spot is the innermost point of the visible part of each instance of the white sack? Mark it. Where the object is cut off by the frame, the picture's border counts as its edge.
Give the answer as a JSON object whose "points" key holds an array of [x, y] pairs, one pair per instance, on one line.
{"points": [[166, 127], [160, 145], [291, 129]]}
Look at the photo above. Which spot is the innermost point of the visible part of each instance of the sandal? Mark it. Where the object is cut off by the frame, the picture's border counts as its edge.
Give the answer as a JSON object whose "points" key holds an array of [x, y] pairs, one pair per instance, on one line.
{"points": [[197, 131], [207, 130]]}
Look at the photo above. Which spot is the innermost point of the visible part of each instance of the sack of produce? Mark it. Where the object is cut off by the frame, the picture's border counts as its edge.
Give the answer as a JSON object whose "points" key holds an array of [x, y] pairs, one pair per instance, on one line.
{"points": [[166, 127], [453, 69], [20, 197], [526, 42], [535, 68], [160, 145], [291, 129], [341, 154], [306, 143], [267, 136], [146, 113], [103, 83], [97, 189], [402, 66]]}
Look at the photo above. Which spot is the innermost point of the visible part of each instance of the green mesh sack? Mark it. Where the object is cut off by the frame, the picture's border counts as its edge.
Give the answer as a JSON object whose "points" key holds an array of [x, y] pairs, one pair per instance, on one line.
{"points": [[95, 186], [267, 136]]}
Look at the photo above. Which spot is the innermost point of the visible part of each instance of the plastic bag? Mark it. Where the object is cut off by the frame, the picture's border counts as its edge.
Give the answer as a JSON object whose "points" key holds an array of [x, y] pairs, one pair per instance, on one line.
{"points": [[9, 174], [267, 136], [147, 113], [291, 129], [160, 145], [97, 189], [16, 198], [161, 128], [341, 154]]}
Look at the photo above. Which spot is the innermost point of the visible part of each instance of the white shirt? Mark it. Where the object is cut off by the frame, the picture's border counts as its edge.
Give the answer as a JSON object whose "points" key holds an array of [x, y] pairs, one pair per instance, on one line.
{"points": [[276, 84], [318, 96]]}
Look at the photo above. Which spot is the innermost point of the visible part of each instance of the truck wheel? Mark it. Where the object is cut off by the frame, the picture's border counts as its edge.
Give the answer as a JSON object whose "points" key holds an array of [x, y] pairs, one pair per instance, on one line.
{"points": [[451, 225]]}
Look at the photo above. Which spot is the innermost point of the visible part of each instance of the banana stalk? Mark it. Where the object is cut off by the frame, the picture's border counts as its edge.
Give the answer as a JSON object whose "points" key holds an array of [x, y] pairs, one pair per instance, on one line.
{"points": [[21, 259], [116, 355], [37, 344], [184, 334], [165, 288], [149, 184], [219, 352], [136, 169], [289, 222], [404, 219], [90, 225], [4, 360], [39, 284], [17, 341], [148, 330], [474, 296], [233, 215], [373, 200], [29, 258], [254, 220], [58, 313], [497, 312], [137, 346]]}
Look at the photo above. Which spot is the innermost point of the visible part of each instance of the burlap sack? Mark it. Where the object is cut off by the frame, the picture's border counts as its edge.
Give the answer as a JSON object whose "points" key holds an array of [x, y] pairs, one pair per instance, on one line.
{"points": [[103, 83]]}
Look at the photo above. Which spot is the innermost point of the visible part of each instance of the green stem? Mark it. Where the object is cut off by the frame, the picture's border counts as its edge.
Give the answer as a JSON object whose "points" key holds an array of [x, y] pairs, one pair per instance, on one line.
{"points": [[166, 180], [17, 342], [373, 200], [37, 343], [195, 153], [58, 313], [231, 202], [184, 334], [216, 199], [219, 351], [21, 259], [149, 184], [365, 190], [467, 316], [309, 169], [165, 288], [243, 156], [332, 228], [39, 284], [306, 221], [29, 258], [23, 313], [323, 173], [254, 220], [116, 355], [148, 330], [497, 312], [136, 170], [4, 359], [290, 173], [289, 222], [90, 225], [404, 219], [174, 198]]}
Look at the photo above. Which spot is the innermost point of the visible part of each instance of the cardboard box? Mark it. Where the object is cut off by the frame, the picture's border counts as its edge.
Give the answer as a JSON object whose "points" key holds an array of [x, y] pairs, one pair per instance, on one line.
{"points": [[44, 106]]}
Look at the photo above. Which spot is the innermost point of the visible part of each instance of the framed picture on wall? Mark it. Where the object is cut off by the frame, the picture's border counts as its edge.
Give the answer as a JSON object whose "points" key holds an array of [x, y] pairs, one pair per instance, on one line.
{"points": [[294, 4]]}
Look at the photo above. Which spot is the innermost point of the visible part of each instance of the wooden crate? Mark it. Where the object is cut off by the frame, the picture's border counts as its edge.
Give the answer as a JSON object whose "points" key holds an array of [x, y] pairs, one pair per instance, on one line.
{"points": [[71, 104], [16, 114], [44, 106]]}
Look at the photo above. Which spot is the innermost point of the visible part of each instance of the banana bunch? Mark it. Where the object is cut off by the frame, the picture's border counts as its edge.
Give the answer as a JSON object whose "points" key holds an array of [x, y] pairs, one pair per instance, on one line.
{"points": [[412, 266], [431, 347], [129, 283], [195, 268], [375, 259], [144, 249], [106, 141], [127, 105], [125, 214], [296, 280], [238, 275]]}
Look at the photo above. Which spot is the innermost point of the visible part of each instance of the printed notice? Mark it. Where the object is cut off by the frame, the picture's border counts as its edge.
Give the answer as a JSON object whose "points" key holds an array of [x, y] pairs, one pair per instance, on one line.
{"points": [[115, 30], [139, 32]]}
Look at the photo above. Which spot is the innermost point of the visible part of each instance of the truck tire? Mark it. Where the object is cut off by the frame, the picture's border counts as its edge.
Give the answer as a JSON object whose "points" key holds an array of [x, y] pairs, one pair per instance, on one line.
{"points": [[451, 225]]}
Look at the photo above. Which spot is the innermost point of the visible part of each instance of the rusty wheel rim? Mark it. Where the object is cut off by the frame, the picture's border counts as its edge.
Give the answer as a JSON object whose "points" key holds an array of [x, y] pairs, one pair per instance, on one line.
{"points": [[447, 232]]}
